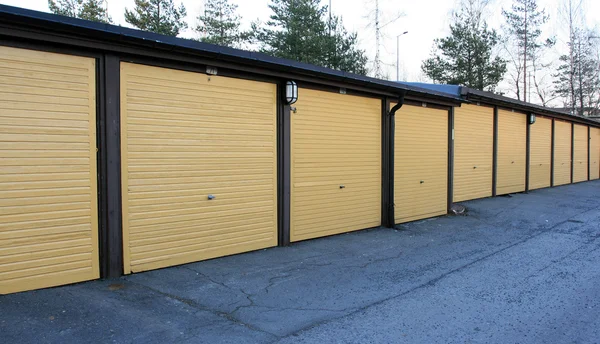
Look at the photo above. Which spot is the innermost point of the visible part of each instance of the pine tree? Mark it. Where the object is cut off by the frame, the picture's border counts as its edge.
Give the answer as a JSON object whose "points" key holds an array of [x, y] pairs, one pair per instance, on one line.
{"points": [[68, 8], [159, 16], [465, 57], [220, 24], [344, 53], [84, 9], [523, 23], [298, 30], [94, 10], [295, 31]]}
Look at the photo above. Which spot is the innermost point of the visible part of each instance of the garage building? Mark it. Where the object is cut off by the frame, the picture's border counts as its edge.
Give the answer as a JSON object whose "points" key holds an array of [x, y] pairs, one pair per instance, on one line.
{"points": [[125, 151]]}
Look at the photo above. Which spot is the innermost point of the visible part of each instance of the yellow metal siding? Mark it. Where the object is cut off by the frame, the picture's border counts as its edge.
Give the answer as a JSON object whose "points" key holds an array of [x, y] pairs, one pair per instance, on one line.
{"points": [[540, 150], [594, 153], [336, 141], [512, 139], [420, 163], [473, 152], [562, 152], [580, 160], [48, 208], [185, 136]]}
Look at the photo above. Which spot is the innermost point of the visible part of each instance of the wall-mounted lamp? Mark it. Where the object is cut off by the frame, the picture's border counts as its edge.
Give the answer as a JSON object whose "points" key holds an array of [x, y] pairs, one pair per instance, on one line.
{"points": [[531, 118], [291, 92]]}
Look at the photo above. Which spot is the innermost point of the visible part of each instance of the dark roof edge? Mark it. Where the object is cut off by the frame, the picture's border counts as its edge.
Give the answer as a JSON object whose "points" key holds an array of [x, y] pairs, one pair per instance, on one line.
{"points": [[499, 100], [52, 23]]}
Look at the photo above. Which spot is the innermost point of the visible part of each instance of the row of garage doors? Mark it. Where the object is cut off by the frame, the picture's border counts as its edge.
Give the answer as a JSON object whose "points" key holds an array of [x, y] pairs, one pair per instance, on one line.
{"points": [[199, 165]]}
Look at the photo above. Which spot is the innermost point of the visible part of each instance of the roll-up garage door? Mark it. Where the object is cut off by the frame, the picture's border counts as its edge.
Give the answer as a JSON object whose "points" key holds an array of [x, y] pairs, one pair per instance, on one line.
{"points": [[48, 181], [562, 152], [594, 153], [580, 159], [512, 151], [473, 152], [420, 163], [198, 166], [540, 150], [336, 164]]}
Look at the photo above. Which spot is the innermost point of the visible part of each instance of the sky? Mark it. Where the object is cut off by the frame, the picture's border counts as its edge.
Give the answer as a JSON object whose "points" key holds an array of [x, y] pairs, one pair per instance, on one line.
{"points": [[424, 20]]}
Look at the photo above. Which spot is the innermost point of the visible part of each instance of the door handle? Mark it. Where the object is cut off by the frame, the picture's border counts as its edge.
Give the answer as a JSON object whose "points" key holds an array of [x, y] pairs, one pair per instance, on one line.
{"points": [[342, 186]]}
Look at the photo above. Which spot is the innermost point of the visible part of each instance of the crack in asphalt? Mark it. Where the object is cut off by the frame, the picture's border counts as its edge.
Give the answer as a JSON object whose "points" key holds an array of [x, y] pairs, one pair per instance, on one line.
{"points": [[375, 261], [433, 281], [271, 308], [285, 274], [207, 277], [568, 255], [202, 308]]}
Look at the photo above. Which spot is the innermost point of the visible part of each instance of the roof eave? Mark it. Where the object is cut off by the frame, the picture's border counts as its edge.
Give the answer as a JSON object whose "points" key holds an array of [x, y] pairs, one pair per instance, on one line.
{"points": [[54, 24]]}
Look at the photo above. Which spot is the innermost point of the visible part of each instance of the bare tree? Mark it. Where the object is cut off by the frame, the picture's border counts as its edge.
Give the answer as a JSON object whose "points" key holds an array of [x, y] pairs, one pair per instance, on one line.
{"points": [[523, 25], [571, 14], [476, 10], [515, 73], [378, 21], [578, 76]]}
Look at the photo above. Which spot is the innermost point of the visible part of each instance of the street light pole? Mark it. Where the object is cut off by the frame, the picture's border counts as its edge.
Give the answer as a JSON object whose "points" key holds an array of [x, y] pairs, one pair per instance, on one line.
{"points": [[398, 55]]}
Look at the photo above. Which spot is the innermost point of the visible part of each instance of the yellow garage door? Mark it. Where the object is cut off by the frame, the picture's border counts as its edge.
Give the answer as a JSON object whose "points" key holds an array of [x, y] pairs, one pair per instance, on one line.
{"points": [[48, 182], [336, 164], [420, 163], [540, 153], [473, 152], [199, 164], [580, 160], [594, 153], [512, 151], [562, 152]]}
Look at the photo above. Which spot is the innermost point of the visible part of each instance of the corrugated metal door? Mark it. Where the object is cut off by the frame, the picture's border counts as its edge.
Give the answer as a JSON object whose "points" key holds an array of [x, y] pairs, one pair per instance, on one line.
{"points": [[199, 166], [512, 151], [562, 152], [473, 152], [48, 181], [580, 159], [336, 164], [540, 150], [594, 153], [420, 163]]}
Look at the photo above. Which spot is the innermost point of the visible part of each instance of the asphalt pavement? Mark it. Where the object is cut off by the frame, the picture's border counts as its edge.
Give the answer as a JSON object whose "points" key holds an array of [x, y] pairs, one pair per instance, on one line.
{"points": [[523, 268]]}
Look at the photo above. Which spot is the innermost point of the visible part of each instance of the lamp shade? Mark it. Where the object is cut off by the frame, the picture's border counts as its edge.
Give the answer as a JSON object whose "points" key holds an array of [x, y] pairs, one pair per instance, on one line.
{"points": [[531, 118], [291, 92]]}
